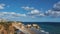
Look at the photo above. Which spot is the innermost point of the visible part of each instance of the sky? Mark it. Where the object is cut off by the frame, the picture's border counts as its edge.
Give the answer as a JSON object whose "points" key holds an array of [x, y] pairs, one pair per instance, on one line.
{"points": [[30, 10]]}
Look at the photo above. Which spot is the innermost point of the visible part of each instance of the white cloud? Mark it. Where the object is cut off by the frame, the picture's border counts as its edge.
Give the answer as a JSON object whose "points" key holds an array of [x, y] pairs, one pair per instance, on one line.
{"points": [[55, 12], [27, 8], [35, 13], [7, 13], [57, 6], [42, 14], [2, 6], [11, 14], [19, 15]]}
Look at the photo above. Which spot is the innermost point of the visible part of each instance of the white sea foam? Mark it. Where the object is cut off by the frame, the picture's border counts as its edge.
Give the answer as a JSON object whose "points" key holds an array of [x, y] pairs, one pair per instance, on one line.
{"points": [[47, 32], [44, 31]]}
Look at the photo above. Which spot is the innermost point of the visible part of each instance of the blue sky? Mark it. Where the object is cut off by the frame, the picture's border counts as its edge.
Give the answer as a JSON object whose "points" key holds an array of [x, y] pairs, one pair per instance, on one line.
{"points": [[30, 10]]}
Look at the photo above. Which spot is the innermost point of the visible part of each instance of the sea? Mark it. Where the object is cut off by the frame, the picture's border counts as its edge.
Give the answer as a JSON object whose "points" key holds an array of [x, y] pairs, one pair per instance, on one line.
{"points": [[51, 27]]}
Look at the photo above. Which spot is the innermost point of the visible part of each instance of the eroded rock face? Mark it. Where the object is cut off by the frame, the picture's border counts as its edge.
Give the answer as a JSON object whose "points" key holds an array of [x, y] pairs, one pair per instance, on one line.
{"points": [[22, 28], [12, 27], [8, 30], [2, 30], [11, 30]]}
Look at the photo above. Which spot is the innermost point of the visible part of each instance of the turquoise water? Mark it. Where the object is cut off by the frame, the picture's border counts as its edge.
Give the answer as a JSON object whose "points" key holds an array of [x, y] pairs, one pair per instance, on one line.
{"points": [[52, 28]]}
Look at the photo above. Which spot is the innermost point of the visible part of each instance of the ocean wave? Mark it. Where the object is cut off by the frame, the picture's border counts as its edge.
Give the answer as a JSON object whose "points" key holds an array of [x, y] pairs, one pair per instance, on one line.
{"points": [[43, 31]]}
